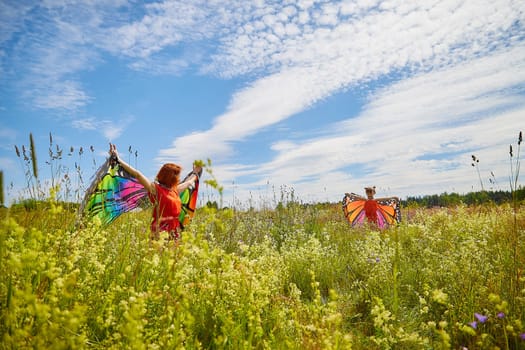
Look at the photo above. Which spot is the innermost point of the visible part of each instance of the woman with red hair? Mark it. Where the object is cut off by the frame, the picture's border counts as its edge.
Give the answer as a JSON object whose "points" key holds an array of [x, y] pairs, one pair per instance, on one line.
{"points": [[163, 194]]}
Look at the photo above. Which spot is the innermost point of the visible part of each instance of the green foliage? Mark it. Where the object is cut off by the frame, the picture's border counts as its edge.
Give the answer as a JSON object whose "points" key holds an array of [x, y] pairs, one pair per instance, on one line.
{"points": [[471, 198], [291, 278]]}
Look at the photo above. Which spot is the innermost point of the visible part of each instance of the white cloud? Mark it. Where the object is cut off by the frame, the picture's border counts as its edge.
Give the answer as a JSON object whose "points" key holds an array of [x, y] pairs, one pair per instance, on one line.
{"points": [[57, 94], [161, 66], [266, 102], [7, 137], [414, 143], [49, 44], [383, 38], [7, 142], [10, 23], [85, 124], [7, 163], [362, 39], [399, 37], [110, 129], [408, 136], [326, 61], [7, 133]]}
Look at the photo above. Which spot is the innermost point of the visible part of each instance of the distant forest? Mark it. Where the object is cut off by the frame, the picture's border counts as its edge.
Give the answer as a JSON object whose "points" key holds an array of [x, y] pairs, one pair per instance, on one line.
{"points": [[471, 198]]}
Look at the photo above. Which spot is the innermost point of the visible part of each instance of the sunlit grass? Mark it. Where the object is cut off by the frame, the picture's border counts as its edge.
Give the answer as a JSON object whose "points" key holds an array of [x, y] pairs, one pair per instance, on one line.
{"points": [[294, 277], [288, 275]]}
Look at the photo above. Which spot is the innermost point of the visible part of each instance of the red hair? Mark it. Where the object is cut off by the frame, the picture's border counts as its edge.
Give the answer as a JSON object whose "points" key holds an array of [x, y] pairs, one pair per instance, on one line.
{"points": [[169, 175]]}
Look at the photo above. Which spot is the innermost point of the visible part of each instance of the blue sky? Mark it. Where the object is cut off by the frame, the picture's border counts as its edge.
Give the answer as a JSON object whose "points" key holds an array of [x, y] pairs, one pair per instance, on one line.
{"points": [[318, 97]]}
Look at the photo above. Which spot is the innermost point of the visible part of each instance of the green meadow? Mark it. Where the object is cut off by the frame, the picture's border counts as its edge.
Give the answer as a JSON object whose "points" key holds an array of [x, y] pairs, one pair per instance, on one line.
{"points": [[296, 277], [286, 276]]}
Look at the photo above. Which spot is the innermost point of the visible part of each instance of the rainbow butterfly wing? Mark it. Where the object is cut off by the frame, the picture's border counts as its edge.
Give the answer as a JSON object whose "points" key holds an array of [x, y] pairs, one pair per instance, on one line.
{"points": [[188, 199], [354, 208], [112, 193]]}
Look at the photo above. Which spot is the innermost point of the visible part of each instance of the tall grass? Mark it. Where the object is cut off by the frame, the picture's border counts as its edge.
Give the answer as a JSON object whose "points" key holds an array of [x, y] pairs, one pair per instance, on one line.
{"points": [[289, 276], [245, 280]]}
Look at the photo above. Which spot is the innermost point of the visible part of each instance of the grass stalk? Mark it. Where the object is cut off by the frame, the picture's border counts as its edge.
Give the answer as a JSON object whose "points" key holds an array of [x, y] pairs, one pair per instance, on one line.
{"points": [[32, 150], [475, 163], [395, 272], [2, 189], [514, 176]]}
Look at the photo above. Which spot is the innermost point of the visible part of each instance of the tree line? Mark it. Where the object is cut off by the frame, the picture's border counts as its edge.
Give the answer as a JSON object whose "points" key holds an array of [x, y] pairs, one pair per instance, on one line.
{"points": [[472, 198]]}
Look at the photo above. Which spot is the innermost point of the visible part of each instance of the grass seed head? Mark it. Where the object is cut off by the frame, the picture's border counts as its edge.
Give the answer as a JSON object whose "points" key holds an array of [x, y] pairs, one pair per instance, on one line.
{"points": [[33, 155]]}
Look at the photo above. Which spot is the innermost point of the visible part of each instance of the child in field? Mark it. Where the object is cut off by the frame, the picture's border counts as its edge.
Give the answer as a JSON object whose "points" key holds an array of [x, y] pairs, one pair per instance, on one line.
{"points": [[381, 212], [371, 204]]}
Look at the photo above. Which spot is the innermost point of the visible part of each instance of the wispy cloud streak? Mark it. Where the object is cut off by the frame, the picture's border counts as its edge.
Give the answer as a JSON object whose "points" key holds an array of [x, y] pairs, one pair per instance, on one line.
{"points": [[409, 134], [336, 46]]}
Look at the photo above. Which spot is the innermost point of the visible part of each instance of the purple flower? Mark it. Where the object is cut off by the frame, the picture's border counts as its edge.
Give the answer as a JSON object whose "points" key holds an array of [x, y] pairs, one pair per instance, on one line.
{"points": [[473, 324], [374, 260], [500, 315], [481, 318], [522, 336]]}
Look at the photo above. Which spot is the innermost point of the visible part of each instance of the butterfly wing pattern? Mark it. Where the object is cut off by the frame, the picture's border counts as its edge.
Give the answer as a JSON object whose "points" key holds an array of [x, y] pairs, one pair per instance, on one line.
{"points": [[388, 211], [188, 198], [112, 193], [354, 208]]}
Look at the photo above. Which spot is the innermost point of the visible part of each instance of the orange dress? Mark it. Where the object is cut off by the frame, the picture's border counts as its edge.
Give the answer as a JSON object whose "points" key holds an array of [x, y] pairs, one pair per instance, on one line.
{"points": [[166, 210], [371, 207]]}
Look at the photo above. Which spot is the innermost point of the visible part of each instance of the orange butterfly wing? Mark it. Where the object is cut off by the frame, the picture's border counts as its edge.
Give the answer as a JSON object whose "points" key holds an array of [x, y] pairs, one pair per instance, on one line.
{"points": [[388, 212], [354, 208]]}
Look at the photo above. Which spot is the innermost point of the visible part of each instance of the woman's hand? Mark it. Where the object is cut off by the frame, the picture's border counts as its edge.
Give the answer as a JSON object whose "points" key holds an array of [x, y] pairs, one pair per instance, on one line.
{"points": [[113, 150], [197, 170]]}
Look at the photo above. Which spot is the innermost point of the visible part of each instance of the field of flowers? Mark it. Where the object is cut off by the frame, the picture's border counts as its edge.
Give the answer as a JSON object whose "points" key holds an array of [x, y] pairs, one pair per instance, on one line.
{"points": [[293, 277]]}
